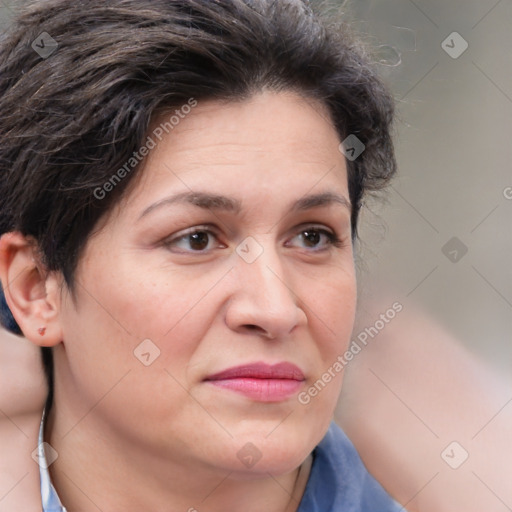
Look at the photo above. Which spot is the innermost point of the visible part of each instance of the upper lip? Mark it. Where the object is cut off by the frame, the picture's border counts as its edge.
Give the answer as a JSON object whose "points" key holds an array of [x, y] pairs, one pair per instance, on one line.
{"points": [[260, 371]]}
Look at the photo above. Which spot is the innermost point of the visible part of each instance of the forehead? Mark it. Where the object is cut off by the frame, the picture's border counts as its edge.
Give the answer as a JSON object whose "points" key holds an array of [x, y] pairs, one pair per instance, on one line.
{"points": [[279, 143], [264, 122]]}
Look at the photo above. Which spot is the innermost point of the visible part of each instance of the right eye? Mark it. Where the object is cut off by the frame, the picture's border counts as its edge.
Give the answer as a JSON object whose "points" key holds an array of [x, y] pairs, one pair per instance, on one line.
{"points": [[199, 239]]}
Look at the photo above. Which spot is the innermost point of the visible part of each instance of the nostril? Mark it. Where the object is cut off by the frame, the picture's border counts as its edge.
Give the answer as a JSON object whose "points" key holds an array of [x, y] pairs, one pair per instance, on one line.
{"points": [[254, 328], [258, 329]]}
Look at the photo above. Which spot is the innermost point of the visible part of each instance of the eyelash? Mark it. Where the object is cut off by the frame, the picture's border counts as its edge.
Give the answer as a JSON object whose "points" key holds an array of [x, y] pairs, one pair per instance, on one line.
{"points": [[332, 239]]}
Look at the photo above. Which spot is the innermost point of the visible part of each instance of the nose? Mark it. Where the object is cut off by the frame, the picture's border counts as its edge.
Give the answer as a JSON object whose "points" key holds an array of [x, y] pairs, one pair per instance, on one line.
{"points": [[264, 300]]}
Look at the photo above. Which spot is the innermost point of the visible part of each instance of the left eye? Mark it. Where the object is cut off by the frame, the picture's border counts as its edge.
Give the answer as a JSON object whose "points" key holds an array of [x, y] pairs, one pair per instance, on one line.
{"points": [[317, 238]]}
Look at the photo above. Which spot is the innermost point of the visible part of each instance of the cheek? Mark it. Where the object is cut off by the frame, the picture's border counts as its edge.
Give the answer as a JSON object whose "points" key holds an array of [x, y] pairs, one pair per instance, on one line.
{"points": [[121, 310], [107, 341], [333, 312], [332, 326]]}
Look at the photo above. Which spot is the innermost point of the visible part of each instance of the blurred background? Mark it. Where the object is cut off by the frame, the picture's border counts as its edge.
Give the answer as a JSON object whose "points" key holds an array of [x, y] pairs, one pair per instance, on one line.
{"points": [[442, 237]]}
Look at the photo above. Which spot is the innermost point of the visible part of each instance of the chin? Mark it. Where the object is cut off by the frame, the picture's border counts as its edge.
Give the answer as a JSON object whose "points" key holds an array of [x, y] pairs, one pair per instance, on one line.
{"points": [[264, 468], [250, 457]]}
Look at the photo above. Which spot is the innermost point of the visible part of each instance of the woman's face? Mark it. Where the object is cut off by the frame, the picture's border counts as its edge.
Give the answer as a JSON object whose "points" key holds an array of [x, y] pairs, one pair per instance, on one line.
{"points": [[220, 256]]}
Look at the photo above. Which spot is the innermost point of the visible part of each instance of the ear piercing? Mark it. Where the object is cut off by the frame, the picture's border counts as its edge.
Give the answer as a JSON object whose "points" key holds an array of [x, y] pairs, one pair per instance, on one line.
{"points": [[41, 330]]}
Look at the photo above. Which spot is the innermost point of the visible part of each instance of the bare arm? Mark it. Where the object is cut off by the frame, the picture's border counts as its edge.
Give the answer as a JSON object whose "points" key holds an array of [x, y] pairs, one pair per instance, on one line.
{"points": [[23, 392], [412, 392]]}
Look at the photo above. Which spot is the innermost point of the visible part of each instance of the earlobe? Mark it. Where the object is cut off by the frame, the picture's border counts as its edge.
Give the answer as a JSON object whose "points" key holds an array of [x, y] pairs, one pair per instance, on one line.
{"points": [[31, 292]]}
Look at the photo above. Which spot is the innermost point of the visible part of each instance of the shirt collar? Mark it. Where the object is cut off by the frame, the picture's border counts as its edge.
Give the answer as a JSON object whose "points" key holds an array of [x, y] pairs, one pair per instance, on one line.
{"points": [[50, 498]]}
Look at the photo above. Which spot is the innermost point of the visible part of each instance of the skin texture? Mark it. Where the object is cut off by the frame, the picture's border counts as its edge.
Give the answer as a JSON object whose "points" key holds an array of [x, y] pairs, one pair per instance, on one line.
{"points": [[159, 434]]}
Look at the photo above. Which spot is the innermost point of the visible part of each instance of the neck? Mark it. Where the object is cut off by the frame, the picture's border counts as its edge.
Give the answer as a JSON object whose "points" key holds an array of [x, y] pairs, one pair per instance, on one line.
{"points": [[96, 470]]}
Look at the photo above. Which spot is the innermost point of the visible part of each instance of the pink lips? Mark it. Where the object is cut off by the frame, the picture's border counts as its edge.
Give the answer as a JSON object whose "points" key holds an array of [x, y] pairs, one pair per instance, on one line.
{"points": [[260, 381]]}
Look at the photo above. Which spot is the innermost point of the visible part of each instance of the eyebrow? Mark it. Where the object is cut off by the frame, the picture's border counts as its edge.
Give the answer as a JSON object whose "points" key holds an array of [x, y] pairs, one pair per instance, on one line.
{"points": [[217, 202]]}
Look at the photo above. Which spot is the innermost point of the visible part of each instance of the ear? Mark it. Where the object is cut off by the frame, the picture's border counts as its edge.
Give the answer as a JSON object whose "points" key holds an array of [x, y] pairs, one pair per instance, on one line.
{"points": [[32, 294]]}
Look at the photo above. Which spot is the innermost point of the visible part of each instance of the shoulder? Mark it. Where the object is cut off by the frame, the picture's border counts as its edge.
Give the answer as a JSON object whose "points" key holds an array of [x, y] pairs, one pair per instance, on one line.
{"points": [[339, 480]]}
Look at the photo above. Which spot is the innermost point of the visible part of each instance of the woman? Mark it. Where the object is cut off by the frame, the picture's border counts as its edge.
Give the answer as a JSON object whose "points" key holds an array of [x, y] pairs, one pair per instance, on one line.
{"points": [[182, 182]]}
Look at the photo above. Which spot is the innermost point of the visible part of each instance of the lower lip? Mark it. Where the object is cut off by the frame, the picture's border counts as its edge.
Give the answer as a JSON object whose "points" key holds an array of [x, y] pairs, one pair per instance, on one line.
{"points": [[263, 390]]}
